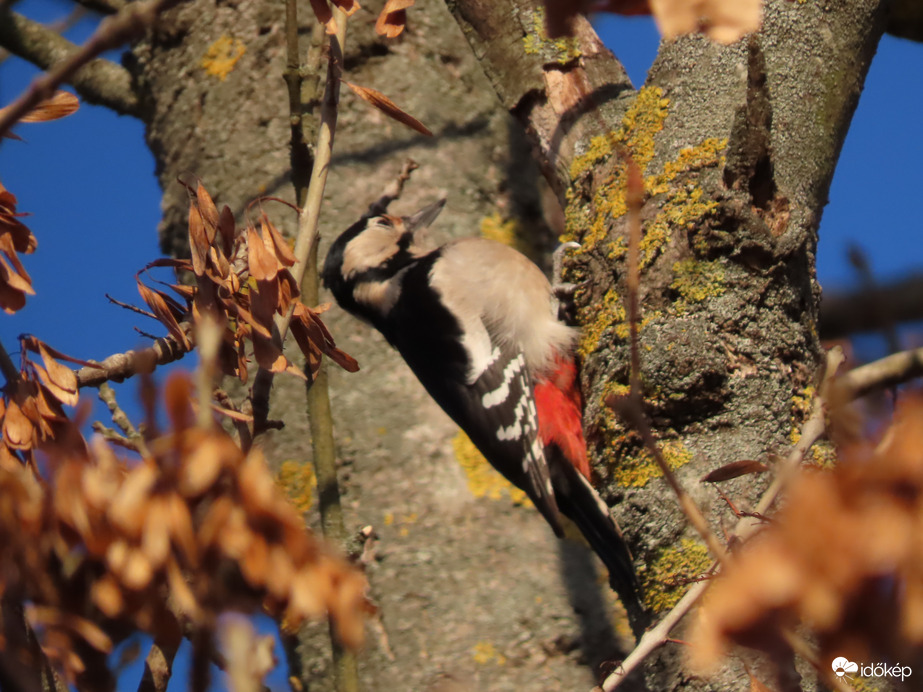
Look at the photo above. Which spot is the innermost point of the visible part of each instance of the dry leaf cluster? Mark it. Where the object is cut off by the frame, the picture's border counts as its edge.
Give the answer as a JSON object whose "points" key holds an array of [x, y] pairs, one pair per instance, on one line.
{"points": [[843, 557], [15, 237], [100, 546], [391, 20], [31, 412], [242, 280]]}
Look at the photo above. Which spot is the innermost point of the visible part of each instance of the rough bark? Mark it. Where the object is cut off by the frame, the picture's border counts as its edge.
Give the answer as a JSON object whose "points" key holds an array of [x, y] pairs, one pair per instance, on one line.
{"points": [[473, 591], [738, 145]]}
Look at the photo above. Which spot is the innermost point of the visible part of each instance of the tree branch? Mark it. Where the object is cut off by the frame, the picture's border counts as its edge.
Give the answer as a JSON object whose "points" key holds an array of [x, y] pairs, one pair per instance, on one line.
{"points": [[848, 312], [881, 374], [120, 366], [100, 81], [112, 32], [104, 6], [906, 19], [550, 87]]}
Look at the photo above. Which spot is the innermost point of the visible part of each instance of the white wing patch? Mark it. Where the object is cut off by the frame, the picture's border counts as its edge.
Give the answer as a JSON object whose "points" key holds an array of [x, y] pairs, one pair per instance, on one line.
{"points": [[502, 393]]}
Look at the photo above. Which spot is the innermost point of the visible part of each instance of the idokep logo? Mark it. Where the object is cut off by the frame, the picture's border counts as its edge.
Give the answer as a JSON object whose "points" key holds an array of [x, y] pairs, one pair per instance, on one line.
{"points": [[842, 667]]}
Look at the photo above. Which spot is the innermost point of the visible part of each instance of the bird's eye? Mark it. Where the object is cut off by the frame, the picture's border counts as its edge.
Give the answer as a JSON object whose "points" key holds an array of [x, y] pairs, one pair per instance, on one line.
{"points": [[385, 221]]}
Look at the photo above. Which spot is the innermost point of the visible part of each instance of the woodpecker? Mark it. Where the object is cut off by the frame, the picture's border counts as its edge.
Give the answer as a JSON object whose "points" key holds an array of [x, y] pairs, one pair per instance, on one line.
{"points": [[477, 323]]}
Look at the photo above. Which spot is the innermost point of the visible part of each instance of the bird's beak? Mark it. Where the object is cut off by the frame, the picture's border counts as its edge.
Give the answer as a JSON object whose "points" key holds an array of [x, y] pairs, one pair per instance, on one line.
{"points": [[424, 217]]}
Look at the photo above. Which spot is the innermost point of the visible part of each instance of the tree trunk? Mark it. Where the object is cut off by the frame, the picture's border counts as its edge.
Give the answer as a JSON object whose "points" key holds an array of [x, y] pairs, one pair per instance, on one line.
{"points": [[474, 591], [737, 145]]}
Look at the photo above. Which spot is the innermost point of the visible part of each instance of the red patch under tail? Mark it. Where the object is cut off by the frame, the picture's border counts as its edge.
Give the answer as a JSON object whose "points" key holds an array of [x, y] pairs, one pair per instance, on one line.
{"points": [[560, 413]]}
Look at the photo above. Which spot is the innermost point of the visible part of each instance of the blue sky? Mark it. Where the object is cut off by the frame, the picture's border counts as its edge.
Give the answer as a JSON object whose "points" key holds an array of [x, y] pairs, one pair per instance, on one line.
{"points": [[89, 183]]}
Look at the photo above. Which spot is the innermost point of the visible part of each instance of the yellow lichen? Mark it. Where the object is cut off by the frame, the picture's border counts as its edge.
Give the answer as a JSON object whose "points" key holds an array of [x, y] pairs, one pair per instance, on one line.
{"points": [[860, 684], [222, 56], [682, 209], [536, 42], [635, 137], [623, 331], [697, 280], [483, 480], [637, 471], [505, 231], [485, 652], [298, 481], [823, 455], [598, 318], [710, 152], [667, 578]]}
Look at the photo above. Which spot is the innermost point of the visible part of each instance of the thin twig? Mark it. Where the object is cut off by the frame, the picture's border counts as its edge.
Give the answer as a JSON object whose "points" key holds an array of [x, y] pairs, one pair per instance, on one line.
{"points": [[7, 367], [307, 237], [121, 419], [881, 374], [158, 666], [112, 32], [655, 637], [243, 430], [630, 406], [104, 6], [129, 306], [309, 192]]}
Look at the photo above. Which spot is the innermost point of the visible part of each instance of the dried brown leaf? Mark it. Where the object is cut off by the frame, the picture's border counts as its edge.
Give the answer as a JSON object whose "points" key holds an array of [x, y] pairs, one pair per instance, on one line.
{"points": [[734, 470], [11, 300], [349, 7], [60, 376], [264, 301], [13, 279], [18, 430], [756, 685], [388, 107], [324, 15], [725, 21], [393, 18], [280, 246], [198, 240], [208, 210], [35, 345], [127, 512], [107, 596], [227, 230], [202, 465], [61, 395], [262, 262], [60, 105], [157, 303]]}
